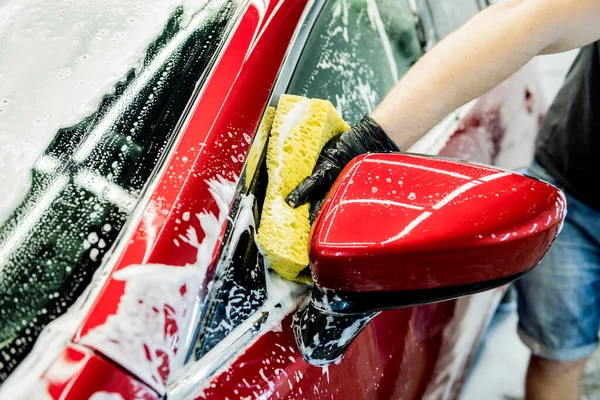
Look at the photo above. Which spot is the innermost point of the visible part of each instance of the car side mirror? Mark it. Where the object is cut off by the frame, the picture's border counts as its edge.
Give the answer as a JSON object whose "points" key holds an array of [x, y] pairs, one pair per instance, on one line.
{"points": [[398, 230]]}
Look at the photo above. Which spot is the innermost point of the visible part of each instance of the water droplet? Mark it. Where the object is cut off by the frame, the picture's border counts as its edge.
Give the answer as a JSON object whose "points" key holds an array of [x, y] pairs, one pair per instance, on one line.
{"points": [[64, 72], [412, 196]]}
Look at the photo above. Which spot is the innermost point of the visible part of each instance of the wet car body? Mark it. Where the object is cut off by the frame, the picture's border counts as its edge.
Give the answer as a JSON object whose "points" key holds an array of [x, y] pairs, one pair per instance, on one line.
{"points": [[182, 202]]}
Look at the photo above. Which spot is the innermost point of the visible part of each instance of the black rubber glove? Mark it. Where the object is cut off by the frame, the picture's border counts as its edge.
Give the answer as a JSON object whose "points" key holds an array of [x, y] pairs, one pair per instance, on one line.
{"points": [[365, 137]]}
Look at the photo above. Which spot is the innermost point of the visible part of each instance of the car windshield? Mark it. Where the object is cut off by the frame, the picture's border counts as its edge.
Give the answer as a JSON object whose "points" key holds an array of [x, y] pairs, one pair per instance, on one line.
{"points": [[91, 96]]}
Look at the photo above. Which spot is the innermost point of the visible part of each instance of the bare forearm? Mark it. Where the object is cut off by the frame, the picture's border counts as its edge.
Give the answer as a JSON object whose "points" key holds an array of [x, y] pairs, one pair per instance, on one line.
{"points": [[477, 57]]}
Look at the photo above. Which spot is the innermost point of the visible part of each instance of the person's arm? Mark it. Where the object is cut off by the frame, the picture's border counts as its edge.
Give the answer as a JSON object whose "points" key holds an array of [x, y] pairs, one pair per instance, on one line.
{"points": [[481, 54], [478, 56]]}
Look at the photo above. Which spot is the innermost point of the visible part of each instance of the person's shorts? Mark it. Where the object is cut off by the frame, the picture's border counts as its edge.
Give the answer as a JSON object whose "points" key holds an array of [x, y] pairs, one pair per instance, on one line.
{"points": [[559, 301]]}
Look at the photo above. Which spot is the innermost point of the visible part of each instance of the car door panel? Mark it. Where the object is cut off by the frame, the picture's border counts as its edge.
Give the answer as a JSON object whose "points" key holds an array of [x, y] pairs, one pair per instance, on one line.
{"points": [[393, 356], [413, 353]]}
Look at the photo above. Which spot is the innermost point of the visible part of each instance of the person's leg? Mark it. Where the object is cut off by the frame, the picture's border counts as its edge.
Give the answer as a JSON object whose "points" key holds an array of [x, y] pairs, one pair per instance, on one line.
{"points": [[559, 306], [553, 380]]}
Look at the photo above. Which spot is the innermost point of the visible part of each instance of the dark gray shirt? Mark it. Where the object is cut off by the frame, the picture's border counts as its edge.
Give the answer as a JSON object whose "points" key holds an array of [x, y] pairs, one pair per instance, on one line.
{"points": [[568, 145]]}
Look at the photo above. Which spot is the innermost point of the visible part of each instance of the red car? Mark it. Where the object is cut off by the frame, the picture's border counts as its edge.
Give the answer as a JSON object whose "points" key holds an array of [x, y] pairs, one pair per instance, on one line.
{"points": [[128, 266]]}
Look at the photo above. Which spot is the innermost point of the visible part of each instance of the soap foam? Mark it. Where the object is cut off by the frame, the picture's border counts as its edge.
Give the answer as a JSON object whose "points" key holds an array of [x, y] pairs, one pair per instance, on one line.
{"points": [[295, 117], [154, 312], [142, 283]]}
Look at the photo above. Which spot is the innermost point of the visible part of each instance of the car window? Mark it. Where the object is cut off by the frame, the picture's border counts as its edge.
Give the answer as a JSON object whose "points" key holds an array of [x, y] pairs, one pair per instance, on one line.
{"points": [[355, 53], [450, 15], [90, 100]]}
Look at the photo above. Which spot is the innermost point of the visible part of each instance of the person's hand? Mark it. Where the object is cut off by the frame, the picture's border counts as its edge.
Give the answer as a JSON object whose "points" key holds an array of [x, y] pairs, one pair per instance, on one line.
{"points": [[365, 137]]}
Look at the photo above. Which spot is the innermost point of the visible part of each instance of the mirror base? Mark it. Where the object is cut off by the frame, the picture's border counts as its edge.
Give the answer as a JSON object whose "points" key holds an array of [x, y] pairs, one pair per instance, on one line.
{"points": [[350, 303], [330, 320]]}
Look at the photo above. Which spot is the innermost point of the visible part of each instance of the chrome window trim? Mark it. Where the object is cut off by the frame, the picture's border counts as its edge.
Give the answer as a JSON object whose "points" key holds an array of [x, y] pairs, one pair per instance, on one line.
{"points": [[425, 18], [427, 21], [284, 76], [426, 24], [484, 4]]}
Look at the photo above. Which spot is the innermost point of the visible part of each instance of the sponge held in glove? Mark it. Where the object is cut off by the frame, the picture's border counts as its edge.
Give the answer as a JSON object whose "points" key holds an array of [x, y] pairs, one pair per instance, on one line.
{"points": [[301, 127]]}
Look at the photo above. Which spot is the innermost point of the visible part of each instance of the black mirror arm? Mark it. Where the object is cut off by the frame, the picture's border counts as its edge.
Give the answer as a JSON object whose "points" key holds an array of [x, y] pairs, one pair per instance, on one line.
{"points": [[323, 335], [329, 321]]}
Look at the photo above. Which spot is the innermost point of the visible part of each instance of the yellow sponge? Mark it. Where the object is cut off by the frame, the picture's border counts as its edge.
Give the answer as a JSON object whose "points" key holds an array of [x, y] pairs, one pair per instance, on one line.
{"points": [[300, 129], [259, 143]]}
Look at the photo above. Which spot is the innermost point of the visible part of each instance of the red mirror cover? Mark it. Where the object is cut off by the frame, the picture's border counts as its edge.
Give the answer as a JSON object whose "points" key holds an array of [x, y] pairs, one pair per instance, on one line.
{"points": [[409, 222]]}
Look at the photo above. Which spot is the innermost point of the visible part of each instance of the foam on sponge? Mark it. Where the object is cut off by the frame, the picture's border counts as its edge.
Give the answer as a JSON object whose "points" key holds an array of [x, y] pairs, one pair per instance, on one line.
{"points": [[261, 137], [300, 129]]}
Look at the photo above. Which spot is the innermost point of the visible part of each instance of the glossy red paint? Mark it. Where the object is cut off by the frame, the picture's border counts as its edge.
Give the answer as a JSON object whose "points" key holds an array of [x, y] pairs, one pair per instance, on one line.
{"points": [[423, 352], [408, 354], [397, 222], [78, 373], [388, 361], [214, 143]]}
